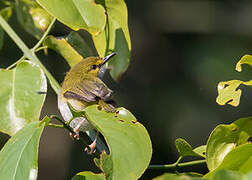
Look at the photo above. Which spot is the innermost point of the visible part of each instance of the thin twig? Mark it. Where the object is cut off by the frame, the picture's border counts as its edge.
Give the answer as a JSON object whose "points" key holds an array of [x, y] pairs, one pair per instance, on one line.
{"points": [[55, 125], [28, 53], [44, 35], [174, 166], [41, 48], [15, 63]]}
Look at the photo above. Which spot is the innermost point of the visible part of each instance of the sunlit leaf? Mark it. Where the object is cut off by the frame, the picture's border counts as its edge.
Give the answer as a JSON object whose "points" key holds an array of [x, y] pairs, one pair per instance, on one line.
{"points": [[19, 156], [239, 159], [61, 46], [228, 175], [225, 138], [115, 38], [229, 93], [22, 95], [201, 150], [34, 19], [185, 149], [88, 176], [76, 14], [128, 141], [246, 59]]}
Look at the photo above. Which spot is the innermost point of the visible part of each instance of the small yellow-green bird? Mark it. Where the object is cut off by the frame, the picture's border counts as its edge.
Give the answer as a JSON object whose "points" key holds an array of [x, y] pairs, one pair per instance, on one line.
{"points": [[82, 87]]}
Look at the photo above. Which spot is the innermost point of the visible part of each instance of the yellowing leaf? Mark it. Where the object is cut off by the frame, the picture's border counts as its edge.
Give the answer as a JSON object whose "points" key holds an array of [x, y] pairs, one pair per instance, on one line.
{"points": [[228, 92]]}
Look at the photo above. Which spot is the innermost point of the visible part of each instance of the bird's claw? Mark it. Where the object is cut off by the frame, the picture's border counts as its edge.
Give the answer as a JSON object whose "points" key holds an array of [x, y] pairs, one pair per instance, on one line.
{"points": [[91, 148], [76, 134]]}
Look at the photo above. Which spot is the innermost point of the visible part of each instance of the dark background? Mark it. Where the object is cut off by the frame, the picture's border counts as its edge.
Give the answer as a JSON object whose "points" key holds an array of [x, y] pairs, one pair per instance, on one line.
{"points": [[180, 51]]}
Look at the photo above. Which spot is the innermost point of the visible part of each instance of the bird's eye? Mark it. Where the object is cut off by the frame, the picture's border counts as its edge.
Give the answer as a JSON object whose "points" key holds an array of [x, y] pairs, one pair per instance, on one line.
{"points": [[93, 67]]}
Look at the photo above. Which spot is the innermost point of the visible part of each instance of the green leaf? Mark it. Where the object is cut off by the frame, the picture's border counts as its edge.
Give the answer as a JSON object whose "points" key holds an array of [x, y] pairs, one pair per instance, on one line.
{"points": [[246, 59], [115, 38], [76, 14], [78, 43], [88, 176], [61, 46], [228, 92], [185, 149], [225, 138], [249, 175], [201, 150], [170, 176], [34, 19], [239, 159], [128, 141], [6, 13], [21, 99], [229, 175], [19, 156]]}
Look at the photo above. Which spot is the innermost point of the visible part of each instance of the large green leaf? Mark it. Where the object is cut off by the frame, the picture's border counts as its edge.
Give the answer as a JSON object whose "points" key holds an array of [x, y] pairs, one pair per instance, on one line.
{"points": [[239, 159], [228, 175], [228, 91], [185, 149], [76, 14], [61, 46], [88, 176], [225, 138], [73, 48], [21, 99], [115, 37], [19, 156], [34, 19], [128, 141]]}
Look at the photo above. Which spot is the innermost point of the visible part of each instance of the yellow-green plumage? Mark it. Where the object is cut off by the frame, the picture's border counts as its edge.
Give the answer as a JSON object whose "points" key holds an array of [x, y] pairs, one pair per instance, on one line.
{"points": [[83, 84], [82, 87]]}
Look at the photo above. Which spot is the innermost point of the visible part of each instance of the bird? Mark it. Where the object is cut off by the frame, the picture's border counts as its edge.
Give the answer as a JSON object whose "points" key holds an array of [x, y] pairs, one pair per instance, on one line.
{"points": [[82, 87]]}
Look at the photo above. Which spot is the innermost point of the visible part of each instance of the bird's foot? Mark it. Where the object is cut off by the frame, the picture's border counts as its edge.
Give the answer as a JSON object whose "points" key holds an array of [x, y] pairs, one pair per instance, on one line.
{"points": [[91, 148], [76, 134]]}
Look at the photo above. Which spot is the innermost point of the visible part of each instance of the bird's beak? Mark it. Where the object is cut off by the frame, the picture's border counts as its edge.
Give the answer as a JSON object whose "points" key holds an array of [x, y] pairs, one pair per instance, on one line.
{"points": [[108, 57]]}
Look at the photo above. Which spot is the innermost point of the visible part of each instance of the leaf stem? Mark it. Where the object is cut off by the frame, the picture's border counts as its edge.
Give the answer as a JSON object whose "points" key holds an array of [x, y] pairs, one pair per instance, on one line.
{"points": [[176, 166], [41, 48], [55, 125], [177, 162], [44, 35], [28, 53], [15, 63]]}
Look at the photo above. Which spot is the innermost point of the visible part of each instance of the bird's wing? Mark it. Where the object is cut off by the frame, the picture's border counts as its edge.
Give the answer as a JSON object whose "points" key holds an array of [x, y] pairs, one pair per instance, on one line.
{"points": [[88, 90]]}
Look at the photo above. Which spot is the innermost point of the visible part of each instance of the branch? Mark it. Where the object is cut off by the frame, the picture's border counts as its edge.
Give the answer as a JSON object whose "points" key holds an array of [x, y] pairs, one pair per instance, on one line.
{"points": [[175, 166], [28, 53], [44, 35]]}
